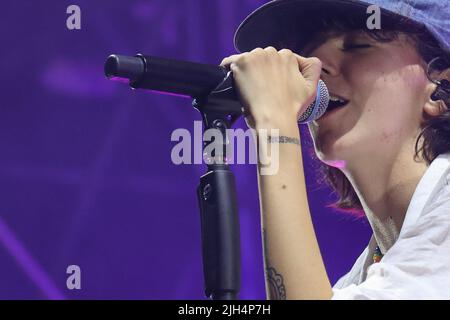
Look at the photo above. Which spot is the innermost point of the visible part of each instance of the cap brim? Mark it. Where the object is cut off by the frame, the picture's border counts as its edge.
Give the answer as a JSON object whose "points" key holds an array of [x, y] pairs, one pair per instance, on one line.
{"points": [[277, 22]]}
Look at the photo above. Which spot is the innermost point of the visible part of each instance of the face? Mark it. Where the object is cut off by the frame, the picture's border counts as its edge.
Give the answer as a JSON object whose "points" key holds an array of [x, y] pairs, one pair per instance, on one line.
{"points": [[385, 85]]}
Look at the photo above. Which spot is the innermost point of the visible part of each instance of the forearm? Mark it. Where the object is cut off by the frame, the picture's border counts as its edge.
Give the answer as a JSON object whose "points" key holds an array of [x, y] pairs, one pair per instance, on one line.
{"points": [[293, 264]]}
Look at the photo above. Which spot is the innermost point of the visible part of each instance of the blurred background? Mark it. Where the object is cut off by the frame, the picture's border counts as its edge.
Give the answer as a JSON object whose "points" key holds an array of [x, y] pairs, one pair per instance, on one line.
{"points": [[86, 176]]}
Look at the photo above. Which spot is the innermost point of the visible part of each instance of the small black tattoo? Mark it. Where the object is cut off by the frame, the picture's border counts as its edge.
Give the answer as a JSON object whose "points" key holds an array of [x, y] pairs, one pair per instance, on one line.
{"points": [[276, 285], [283, 139], [276, 288]]}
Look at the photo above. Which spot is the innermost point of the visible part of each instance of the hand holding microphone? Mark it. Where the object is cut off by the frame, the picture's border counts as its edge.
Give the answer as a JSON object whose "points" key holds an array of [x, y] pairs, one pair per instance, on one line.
{"points": [[276, 87]]}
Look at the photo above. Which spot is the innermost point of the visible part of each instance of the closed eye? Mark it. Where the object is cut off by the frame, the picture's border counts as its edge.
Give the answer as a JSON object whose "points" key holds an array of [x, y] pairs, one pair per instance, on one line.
{"points": [[352, 46]]}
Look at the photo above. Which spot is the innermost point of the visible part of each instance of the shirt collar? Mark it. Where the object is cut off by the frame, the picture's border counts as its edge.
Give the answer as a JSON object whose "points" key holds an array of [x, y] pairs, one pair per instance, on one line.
{"points": [[430, 183]]}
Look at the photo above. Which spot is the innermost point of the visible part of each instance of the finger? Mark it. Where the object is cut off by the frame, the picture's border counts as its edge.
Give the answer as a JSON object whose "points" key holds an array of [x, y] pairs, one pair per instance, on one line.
{"points": [[257, 50], [310, 68], [229, 60], [271, 50], [287, 54]]}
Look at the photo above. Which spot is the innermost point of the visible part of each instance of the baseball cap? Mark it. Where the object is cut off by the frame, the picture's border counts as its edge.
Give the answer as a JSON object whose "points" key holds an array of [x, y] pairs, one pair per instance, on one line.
{"points": [[273, 23]]}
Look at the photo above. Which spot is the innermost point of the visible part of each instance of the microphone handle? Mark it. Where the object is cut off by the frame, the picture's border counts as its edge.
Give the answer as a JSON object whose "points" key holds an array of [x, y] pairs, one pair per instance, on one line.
{"points": [[166, 75]]}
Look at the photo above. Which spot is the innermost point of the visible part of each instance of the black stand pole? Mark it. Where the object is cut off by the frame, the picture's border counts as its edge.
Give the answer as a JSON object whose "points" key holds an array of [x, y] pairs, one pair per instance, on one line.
{"points": [[217, 201]]}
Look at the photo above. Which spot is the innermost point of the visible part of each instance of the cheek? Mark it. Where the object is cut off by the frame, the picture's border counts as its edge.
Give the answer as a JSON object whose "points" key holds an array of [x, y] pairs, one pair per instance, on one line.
{"points": [[393, 106]]}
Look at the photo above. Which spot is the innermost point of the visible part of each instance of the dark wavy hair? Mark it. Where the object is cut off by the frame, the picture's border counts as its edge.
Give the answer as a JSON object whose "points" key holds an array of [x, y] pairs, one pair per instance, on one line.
{"points": [[435, 131]]}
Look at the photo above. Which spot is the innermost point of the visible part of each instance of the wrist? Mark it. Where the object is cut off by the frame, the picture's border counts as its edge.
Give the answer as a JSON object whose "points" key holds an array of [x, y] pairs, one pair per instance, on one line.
{"points": [[287, 127], [274, 115]]}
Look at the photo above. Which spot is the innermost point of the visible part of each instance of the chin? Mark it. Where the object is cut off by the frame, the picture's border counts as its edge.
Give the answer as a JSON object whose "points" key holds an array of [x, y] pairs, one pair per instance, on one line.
{"points": [[339, 164], [331, 161], [331, 153], [331, 149]]}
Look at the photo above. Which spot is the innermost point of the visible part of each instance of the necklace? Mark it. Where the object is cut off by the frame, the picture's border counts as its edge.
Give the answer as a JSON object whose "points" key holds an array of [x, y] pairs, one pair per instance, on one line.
{"points": [[377, 255]]}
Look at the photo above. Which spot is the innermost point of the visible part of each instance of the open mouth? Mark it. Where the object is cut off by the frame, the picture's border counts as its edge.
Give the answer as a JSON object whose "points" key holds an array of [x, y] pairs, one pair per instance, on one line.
{"points": [[336, 102]]}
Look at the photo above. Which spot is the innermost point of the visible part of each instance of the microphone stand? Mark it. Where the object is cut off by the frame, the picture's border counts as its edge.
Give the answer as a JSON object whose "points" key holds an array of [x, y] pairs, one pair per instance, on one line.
{"points": [[217, 199], [216, 192]]}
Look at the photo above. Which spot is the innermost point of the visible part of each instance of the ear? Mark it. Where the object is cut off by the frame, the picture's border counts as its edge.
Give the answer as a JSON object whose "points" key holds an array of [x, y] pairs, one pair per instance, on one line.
{"points": [[433, 108]]}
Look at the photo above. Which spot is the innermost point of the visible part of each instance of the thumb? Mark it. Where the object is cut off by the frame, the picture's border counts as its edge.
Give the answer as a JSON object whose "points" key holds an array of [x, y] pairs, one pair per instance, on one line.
{"points": [[311, 69]]}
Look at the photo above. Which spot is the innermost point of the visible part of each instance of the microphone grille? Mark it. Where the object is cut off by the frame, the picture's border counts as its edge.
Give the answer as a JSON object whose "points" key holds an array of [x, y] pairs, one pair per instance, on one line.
{"points": [[316, 109]]}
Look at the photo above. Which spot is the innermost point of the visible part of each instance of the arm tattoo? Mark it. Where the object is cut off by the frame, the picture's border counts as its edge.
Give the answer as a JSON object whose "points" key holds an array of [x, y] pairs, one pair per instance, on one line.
{"points": [[277, 290], [283, 139]]}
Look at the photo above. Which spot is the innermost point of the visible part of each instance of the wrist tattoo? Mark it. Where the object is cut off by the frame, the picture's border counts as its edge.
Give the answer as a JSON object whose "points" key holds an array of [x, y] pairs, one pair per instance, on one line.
{"points": [[275, 282], [283, 139]]}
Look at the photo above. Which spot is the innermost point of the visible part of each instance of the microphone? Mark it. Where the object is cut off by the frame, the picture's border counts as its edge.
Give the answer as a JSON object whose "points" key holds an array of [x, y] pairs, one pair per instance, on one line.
{"points": [[190, 79]]}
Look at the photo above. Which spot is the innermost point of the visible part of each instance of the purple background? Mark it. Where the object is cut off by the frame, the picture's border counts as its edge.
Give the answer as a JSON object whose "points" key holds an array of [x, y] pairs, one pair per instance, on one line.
{"points": [[85, 170]]}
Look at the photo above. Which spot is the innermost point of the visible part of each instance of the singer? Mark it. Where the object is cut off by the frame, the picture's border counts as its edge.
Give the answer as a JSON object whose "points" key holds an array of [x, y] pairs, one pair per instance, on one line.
{"points": [[384, 142]]}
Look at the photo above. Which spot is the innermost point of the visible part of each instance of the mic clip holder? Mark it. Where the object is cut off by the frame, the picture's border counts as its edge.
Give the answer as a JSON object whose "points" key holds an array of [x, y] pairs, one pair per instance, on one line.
{"points": [[216, 193]]}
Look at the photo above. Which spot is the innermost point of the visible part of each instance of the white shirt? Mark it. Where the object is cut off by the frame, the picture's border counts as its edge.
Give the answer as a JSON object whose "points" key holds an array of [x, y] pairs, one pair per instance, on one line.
{"points": [[417, 266]]}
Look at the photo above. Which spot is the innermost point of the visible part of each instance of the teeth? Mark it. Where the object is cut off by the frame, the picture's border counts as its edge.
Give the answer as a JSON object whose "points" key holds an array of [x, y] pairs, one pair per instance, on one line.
{"points": [[335, 99]]}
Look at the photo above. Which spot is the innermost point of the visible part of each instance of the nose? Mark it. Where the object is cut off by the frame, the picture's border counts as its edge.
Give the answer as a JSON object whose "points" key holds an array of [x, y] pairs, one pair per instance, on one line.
{"points": [[330, 55], [330, 66], [325, 71]]}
